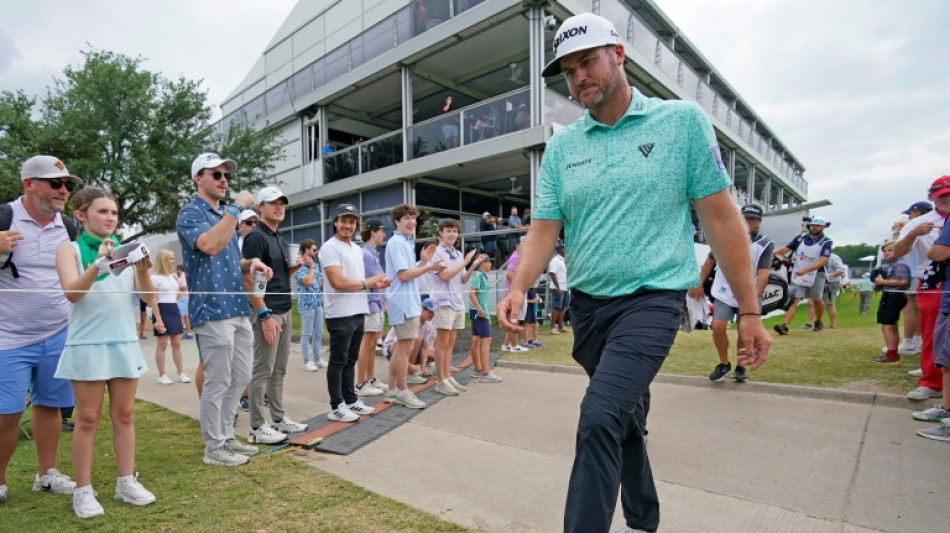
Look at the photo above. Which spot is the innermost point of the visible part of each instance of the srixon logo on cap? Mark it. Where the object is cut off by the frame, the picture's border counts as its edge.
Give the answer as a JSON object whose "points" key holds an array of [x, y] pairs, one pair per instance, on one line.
{"points": [[567, 34]]}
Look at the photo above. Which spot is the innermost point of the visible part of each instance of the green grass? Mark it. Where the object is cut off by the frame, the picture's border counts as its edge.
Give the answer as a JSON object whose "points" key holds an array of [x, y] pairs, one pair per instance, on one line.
{"points": [[838, 358], [272, 493]]}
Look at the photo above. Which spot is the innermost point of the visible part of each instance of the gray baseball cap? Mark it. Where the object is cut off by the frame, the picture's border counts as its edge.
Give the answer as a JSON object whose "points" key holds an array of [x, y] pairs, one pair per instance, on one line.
{"points": [[46, 167]]}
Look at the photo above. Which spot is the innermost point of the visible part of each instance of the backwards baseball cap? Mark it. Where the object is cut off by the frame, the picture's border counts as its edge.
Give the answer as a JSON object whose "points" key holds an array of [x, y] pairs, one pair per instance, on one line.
{"points": [[818, 221], [923, 207], [246, 214], [373, 224], [752, 211], [940, 186], [558, 247], [210, 160], [345, 210], [270, 194], [46, 167], [428, 304], [580, 32]]}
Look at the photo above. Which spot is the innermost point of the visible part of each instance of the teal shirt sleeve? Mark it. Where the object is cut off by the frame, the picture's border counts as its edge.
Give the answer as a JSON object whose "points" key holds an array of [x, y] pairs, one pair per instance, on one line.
{"points": [[548, 188], [707, 171]]}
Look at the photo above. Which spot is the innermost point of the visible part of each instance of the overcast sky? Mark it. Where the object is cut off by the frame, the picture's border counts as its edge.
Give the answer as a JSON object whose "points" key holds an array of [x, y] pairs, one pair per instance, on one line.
{"points": [[856, 89]]}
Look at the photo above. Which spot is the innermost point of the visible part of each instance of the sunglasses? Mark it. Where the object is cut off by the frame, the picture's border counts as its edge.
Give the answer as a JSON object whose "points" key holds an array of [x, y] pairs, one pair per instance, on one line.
{"points": [[940, 187], [57, 184], [217, 175], [250, 222]]}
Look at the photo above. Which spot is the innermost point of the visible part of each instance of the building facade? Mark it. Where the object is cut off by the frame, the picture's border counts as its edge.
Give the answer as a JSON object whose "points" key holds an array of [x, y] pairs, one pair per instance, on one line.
{"points": [[440, 103]]}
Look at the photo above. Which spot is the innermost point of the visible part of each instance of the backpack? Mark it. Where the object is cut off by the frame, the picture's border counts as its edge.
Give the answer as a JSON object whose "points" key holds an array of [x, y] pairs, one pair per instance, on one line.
{"points": [[6, 220]]}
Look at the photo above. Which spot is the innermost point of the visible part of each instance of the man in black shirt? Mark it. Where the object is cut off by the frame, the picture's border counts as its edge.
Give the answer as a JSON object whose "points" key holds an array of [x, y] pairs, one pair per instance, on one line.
{"points": [[272, 322]]}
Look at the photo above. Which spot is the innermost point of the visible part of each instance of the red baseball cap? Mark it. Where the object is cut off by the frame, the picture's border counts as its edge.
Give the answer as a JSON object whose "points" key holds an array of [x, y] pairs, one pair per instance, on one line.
{"points": [[940, 186]]}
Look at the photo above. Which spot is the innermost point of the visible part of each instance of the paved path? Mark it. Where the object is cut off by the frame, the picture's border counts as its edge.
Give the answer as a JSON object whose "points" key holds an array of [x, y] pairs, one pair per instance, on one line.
{"points": [[726, 458]]}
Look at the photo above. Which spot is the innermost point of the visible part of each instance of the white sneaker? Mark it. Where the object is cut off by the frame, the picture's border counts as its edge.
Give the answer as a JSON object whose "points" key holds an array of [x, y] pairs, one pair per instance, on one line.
{"points": [[182, 378], [506, 347], [236, 446], [490, 378], [378, 384], [360, 408], [389, 396], [223, 457], [908, 349], [416, 379], [518, 349], [446, 388], [85, 504], [367, 389], [431, 367], [919, 373], [923, 393], [322, 364], [266, 434], [342, 414], [289, 426], [3, 492], [456, 385], [129, 490], [310, 366], [54, 482], [163, 380], [408, 399]]}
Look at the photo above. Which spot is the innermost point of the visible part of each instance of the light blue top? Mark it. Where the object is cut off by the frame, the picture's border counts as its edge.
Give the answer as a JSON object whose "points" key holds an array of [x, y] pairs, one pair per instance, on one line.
{"points": [[623, 193], [402, 298], [308, 298], [102, 342]]}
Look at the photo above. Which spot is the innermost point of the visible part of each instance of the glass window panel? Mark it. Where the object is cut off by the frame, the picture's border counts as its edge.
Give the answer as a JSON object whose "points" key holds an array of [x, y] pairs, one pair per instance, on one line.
{"points": [[616, 13], [336, 63], [761, 183], [302, 82], [643, 39], [465, 5], [382, 152], [437, 197], [741, 178], [307, 214], [277, 97], [431, 13], [377, 40], [254, 109], [313, 232], [478, 204], [341, 164], [382, 198]]}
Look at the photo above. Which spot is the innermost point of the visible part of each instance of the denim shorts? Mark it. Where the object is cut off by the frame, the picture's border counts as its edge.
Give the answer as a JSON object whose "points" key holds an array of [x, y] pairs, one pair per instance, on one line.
{"points": [[32, 368]]}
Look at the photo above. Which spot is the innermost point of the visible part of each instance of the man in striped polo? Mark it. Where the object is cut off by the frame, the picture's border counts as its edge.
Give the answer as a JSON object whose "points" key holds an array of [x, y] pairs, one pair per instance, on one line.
{"points": [[33, 324]]}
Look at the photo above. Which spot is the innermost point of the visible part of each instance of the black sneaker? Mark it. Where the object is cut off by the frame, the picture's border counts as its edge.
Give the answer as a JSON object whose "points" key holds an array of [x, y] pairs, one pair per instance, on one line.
{"points": [[781, 329], [720, 372], [819, 326], [741, 376]]}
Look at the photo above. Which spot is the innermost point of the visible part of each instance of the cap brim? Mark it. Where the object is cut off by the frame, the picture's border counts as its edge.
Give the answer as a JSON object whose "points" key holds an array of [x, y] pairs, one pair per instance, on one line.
{"points": [[554, 67], [72, 179]]}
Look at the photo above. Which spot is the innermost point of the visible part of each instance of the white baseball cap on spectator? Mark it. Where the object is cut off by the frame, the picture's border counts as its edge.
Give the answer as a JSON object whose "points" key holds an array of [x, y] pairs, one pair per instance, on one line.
{"points": [[247, 214], [270, 194], [211, 160], [46, 167]]}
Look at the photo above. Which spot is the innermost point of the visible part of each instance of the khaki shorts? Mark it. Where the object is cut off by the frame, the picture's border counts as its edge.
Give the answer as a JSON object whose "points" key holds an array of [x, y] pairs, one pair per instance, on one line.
{"points": [[408, 329], [448, 318], [373, 323]]}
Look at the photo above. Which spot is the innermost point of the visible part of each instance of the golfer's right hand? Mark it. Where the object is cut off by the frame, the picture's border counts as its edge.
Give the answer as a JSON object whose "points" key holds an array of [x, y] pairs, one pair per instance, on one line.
{"points": [[509, 309]]}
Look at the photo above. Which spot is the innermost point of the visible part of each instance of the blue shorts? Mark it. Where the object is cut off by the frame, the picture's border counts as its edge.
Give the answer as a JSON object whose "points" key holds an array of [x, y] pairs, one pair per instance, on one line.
{"points": [[563, 302], [183, 306], [481, 327], [31, 368], [531, 314]]}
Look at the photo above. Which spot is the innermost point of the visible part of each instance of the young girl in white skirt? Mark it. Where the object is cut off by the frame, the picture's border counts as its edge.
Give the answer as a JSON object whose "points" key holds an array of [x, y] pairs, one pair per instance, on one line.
{"points": [[166, 283], [102, 346]]}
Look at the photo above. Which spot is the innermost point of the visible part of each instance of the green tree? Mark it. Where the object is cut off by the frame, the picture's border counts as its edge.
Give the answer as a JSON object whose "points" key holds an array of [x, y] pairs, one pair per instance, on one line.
{"points": [[119, 126], [18, 138], [852, 252]]}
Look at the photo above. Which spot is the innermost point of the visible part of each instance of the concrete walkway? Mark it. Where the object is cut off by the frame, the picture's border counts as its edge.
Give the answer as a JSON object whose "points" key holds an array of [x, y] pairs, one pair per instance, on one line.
{"points": [[726, 458]]}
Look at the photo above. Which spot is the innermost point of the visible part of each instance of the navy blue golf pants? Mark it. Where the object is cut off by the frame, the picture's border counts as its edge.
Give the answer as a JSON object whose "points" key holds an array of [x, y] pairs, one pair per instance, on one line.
{"points": [[621, 343]]}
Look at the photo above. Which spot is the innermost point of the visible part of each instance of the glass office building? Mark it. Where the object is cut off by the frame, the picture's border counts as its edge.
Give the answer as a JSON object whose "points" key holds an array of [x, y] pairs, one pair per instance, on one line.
{"points": [[358, 90]]}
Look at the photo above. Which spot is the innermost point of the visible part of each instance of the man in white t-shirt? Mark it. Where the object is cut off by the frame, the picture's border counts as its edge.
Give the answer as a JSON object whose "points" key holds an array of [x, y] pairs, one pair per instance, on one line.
{"points": [[918, 235], [345, 307], [912, 341], [562, 294]]}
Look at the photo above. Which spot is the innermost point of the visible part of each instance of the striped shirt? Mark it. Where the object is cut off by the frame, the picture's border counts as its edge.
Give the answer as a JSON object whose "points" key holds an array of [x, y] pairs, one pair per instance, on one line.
{"points": [[29, 318]]}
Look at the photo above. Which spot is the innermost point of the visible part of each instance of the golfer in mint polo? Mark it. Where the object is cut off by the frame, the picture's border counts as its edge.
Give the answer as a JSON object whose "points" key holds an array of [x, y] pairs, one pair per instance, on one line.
{"points": [[621, 180]]}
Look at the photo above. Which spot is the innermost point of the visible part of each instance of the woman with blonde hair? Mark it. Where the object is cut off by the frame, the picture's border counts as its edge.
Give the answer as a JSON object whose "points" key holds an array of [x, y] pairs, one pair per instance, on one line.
{"points": [[102, 346], [166, 283]]}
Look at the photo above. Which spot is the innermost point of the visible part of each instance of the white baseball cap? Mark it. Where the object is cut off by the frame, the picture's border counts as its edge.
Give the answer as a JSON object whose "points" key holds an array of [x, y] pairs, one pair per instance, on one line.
{"points": [[210, 160], [270, 194], [818, 221], [580, 32], [46, 167], [246, 214]]}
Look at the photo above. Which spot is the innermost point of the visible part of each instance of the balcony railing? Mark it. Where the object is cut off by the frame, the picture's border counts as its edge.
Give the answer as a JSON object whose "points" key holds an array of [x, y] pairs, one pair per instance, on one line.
{"points": [[373, 154]]}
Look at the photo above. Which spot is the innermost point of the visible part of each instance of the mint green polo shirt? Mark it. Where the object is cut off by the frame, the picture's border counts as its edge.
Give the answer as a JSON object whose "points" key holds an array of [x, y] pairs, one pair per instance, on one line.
{"points": [[623, 193]]}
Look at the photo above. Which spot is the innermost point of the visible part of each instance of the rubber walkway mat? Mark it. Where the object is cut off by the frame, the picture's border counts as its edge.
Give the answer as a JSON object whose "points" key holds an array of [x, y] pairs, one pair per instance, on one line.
{"points": [[345, 438]]}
